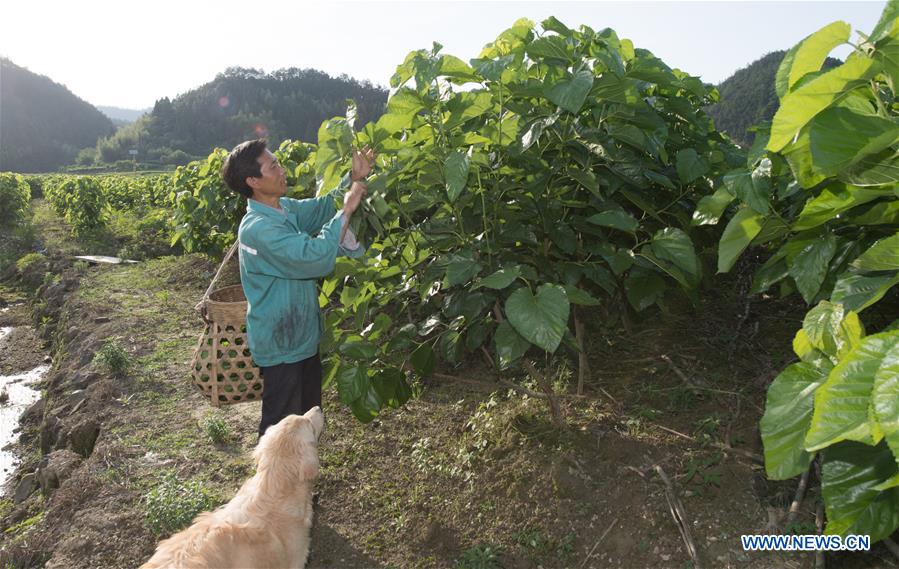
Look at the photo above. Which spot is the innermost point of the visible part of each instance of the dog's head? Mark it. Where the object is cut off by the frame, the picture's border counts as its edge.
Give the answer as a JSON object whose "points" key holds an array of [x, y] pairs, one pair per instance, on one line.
{"points": [[288, 451]]}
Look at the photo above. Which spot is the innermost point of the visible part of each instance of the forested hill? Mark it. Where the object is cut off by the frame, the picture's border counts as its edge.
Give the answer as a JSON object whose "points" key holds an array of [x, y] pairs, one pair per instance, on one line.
{"points": [[43, 123], [240, 104], [748, 97]]}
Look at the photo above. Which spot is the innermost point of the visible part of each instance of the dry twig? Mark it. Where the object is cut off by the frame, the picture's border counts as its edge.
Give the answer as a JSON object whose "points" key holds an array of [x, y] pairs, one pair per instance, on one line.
{"points": [[598, 541], [680, 517], [721, 446]]}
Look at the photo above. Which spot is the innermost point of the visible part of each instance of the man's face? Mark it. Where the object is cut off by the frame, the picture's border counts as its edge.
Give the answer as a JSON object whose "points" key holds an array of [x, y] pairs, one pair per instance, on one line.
{"points": [[273, 182]]}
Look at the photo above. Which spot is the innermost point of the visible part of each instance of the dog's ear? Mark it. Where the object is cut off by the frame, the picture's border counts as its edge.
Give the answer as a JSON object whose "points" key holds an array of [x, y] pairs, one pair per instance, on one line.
{"points": [[309, 452]]}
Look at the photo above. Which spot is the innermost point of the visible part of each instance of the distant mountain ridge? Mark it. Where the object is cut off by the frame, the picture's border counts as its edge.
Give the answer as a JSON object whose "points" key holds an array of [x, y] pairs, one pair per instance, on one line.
{"points": [[748, 97], [124, 115], [240, 104], [43, 123]]}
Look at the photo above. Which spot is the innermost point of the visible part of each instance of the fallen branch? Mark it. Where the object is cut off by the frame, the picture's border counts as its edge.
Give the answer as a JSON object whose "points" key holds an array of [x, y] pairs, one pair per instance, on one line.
{"points": [[680, 517], [678, 372], [598, 541], [721, 446]]}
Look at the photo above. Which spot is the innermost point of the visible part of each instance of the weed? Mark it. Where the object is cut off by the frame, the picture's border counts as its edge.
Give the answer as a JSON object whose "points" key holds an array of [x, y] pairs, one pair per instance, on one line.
{"points": [[565, 547], [702, 466], [216, 429], [173, 504], [479, 557], [31, 259], [113, 357], [800, 528], [706, 428], [25, 525], [534, 541]]}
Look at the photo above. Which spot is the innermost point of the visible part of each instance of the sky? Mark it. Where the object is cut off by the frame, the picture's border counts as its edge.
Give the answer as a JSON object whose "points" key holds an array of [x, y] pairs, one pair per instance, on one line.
{"points": [[129, 54]]}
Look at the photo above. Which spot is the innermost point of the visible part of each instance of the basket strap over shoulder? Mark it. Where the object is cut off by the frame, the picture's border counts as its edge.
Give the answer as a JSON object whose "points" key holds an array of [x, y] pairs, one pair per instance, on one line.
{"points": [[201, 306]]}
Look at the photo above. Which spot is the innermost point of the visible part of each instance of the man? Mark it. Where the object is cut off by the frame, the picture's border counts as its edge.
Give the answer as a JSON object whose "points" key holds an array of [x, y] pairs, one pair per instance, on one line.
{"points": [[285, 245]]}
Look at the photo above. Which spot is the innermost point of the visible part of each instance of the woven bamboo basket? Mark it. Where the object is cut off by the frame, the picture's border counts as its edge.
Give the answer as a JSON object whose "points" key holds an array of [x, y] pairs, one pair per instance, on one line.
{"points": [[222, 366]]}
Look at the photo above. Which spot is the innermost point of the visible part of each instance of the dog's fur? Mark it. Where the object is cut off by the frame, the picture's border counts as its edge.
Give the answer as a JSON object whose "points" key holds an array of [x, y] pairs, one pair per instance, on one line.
{"points": [[266, 525]]}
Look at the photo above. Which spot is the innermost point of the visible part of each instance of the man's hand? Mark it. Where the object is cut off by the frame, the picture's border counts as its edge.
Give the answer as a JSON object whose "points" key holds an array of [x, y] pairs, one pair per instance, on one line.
{"points": [[363, 162], [353, 197]]}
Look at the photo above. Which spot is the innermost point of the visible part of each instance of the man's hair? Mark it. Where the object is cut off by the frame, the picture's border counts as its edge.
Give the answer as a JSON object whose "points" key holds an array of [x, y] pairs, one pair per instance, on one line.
{"points": [[243, 163]]}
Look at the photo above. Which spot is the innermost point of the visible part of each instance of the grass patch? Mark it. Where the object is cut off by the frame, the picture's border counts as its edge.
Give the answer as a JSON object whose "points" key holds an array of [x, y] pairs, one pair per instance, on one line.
{"points": [[174, 503]]}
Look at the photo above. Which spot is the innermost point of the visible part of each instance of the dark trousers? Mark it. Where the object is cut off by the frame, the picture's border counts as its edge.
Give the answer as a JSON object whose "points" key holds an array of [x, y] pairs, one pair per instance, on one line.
{"points": [[290, 389]]}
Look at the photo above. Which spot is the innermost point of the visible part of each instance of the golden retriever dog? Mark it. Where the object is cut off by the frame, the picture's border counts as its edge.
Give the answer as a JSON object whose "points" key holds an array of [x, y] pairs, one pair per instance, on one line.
{"points": [[266, 525]]}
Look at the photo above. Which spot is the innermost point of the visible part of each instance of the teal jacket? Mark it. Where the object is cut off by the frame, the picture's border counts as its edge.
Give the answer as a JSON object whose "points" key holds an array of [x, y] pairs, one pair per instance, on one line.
{"points": [[282, 254]]}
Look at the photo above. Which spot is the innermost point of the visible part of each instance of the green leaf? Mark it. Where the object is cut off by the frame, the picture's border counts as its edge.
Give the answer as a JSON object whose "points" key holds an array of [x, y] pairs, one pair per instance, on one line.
{"points": [[553, 47], [401, 109], [885, 398], [542, 319], [461, 268], [491, 69], [643, 287], [359, 350], [773, 271], [570, 93], [798, 107], [710, 208], [690, 166], [809, 267], [883, 213], [882, 256], [616, 219], [452, 66], [809, 55], [351, 383], [843, 404], [850, 474], [741, 184], [674, 247], [578, 296], [876, 170], [808, 353], [456, 173], [740, 231], [788, 414], [510, 346], [839, 138], [501, 278], [886, 25], [423, 360], [832, 329], [832, 201], [611, 88], [857, 292]]}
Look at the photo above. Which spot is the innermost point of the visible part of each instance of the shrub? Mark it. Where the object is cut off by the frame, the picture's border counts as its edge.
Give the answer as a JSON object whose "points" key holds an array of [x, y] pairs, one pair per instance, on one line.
{"points": [[15, 193], [173, 504], [113, 356]]}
